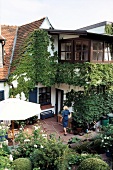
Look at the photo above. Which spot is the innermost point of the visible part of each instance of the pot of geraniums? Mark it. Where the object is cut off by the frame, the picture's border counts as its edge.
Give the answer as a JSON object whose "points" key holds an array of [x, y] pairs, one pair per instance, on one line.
{"points": [[3, 131]]}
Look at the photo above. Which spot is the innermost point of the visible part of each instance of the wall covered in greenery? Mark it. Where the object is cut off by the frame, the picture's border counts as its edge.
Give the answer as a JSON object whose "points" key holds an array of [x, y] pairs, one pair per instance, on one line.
{"points": [[37, 65]]}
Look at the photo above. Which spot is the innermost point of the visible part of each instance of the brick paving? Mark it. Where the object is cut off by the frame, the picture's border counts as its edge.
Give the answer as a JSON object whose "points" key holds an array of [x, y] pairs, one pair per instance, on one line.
{"points": [[51, 126]]}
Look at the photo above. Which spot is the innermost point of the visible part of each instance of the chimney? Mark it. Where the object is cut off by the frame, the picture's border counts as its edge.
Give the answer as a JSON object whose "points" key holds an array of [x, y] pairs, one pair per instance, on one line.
{"points": [[2, 40]]}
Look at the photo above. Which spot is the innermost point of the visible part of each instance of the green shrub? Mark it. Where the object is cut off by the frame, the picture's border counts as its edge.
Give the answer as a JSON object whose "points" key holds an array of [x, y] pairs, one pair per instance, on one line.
{"points": [[76, 159], [93, 164], [4, 158], [52, 155], [83, 147], [22, 164]]}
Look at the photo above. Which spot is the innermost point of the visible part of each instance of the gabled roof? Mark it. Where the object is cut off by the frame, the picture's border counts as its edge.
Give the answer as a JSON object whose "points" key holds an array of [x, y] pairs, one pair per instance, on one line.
{"points": [[14, 36], [22, 33], [8, 32]]}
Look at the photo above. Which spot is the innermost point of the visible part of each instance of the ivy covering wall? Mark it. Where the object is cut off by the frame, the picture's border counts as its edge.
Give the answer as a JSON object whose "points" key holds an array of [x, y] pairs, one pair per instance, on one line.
{"points": [[36, 65]]}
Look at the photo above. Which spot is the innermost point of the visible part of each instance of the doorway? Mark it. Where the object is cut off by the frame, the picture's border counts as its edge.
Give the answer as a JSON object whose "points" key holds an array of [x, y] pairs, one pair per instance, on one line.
{"points": [[59, 100]]}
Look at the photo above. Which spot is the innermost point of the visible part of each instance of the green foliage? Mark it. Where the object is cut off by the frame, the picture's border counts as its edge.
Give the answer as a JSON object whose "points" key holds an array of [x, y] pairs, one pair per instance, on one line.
{"points": [[83, 147], [93, 164], [28, 143], [86, 74], [35, 64], [74, 140], [107, 137], [109, 29], [89, 106], [44, 153], [76, 159], [52, 156], [3, 129], [22, 163], [4, 158]]}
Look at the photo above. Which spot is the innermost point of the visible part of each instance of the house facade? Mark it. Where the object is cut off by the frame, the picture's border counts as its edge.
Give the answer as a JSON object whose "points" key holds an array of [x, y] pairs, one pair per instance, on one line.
{"points": [[72, 46]]}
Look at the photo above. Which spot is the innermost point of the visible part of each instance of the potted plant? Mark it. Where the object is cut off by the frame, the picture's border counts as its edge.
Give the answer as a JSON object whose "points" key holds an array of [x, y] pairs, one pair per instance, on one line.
{"points": [[77, 124]]}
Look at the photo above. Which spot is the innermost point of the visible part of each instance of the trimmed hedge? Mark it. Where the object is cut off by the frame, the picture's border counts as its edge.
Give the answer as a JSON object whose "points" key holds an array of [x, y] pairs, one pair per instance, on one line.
{"points": [[22, 164], [93, 164]]}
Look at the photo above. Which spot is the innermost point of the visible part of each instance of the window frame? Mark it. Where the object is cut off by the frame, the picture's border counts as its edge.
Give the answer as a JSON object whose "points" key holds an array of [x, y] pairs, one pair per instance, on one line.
{"points": [[73, 42], [103, 52], [43, 101]]}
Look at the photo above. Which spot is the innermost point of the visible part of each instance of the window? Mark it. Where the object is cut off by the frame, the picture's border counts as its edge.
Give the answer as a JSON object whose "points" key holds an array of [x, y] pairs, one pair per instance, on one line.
{"points": [[97, 51], [102, 51], [66, 51], [108, 52], [74, 50], [45, 95], [1, 95], [81, 50]]}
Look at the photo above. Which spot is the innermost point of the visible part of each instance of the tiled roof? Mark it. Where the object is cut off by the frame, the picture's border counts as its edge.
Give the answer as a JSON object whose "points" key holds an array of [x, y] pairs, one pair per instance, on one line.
{"points": [[22, 33], [8, 32]]}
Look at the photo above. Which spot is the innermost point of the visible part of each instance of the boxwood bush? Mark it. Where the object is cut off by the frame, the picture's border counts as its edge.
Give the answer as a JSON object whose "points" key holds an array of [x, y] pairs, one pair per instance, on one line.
{"points": [[22, 163], [93, 164]]}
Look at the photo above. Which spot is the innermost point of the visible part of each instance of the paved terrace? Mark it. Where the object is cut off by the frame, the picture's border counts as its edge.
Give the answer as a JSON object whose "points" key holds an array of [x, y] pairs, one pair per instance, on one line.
{"points": [[51, 126]]}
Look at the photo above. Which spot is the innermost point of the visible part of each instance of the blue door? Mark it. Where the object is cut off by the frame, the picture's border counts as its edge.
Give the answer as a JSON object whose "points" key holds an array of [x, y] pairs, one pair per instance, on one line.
{"points": [[33, 95]]}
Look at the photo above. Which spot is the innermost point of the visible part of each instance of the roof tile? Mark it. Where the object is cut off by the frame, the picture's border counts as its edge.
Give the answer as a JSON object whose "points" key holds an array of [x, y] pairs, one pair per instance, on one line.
{"points": [[9, 33]]}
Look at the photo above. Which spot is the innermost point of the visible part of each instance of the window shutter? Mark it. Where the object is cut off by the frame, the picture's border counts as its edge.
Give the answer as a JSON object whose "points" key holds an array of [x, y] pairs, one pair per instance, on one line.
{"points": [[1, 95]]}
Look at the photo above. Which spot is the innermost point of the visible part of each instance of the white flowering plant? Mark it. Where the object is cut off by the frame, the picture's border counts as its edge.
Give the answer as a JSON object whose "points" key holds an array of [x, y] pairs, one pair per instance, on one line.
{"points": [[107, 137], [107, 142]]}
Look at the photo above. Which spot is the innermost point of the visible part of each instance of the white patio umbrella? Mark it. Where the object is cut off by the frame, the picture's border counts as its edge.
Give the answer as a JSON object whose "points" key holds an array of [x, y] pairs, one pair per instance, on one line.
{"points": [[16, 109]]}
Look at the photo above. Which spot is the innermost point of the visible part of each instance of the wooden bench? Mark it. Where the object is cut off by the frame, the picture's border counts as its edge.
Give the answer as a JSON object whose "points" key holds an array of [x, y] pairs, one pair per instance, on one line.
{"points": [[46, 114]]}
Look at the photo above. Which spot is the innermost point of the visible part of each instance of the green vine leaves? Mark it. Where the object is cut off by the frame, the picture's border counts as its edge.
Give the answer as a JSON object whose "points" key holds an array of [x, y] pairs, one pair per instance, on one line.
{"points": [[35, 64]]}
